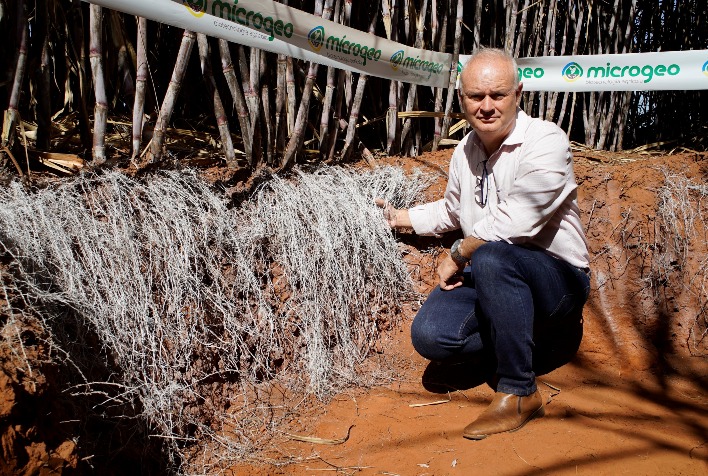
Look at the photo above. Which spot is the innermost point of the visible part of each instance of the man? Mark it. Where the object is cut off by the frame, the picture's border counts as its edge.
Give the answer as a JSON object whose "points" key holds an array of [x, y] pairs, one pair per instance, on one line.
{"points": [[521, 271]]}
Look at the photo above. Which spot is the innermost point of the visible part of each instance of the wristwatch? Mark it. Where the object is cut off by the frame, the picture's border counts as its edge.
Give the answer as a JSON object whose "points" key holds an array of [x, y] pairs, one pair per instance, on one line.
{"points": [[455, 253]]}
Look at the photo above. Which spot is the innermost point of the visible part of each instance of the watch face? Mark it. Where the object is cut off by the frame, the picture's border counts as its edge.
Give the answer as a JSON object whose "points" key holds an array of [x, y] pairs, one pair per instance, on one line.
{"points": [[454, 252], [455, 245]]}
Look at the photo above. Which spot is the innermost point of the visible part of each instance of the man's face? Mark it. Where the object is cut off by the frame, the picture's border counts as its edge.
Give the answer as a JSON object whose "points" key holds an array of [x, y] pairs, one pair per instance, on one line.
{"points": [[489, 99]]}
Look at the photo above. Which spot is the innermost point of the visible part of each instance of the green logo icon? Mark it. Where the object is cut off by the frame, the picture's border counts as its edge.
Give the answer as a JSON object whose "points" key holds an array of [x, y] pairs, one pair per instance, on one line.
{"points": [[316, 38], [572, 72], [397, 59], [195, 7]]}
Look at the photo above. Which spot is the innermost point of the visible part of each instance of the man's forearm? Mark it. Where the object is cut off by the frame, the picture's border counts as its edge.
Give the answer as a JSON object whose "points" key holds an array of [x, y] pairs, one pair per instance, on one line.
{"points": [[469, 245]]}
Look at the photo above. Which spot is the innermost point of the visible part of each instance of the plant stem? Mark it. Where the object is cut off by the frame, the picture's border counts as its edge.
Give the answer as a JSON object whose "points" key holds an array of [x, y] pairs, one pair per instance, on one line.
{"points": [[163, 119], [100, 115]]}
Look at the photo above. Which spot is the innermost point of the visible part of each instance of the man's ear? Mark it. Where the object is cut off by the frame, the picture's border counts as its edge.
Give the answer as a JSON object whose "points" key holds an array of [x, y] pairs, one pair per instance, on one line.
{"points": [[460, 99], [518, 93]]}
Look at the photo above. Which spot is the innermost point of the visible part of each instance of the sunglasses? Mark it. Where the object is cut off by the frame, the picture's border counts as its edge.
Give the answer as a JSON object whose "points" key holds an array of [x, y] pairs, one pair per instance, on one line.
{"points": [[482, 189]]}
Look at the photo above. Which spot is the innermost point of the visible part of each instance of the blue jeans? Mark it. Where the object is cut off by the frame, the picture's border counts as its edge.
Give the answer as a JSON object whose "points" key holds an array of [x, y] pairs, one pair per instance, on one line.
{"points": [[512, 298]]}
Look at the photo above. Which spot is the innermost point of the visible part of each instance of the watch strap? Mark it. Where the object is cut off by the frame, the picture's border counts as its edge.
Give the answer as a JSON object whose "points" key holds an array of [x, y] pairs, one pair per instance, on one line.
{"points": [[455, 253]]}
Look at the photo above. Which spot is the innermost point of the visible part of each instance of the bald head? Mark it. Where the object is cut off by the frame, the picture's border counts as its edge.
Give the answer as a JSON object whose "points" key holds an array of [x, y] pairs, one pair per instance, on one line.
{"points": [[489, 94], [494, 58]]}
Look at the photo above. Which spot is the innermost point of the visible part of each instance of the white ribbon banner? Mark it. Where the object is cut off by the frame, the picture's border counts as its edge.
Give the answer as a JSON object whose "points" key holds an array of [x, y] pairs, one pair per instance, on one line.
{"points": [[670, 70], [280, 29], [284, 30]]}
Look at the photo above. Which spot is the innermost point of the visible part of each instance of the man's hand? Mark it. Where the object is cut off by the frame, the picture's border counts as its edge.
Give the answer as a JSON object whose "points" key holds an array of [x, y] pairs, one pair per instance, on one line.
{"points": [[450, 271], [394, 217], [450, 274]]}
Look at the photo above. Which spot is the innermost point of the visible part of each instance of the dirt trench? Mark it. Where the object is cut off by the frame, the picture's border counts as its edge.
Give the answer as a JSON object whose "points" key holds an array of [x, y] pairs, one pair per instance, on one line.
{"points": [[633, 397]]}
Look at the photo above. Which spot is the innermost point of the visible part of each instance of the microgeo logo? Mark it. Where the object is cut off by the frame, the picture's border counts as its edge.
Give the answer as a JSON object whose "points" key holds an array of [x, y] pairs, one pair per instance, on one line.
{"points": [[230, 11], [400, 60], [397, 59], [705, 68], [647, 71], [316, 38], [341, 46], [572, 72], [195, 7]]}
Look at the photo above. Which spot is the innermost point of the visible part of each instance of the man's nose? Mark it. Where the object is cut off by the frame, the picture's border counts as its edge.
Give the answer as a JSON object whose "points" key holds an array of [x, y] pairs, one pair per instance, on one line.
{"points": [[487, 104]]}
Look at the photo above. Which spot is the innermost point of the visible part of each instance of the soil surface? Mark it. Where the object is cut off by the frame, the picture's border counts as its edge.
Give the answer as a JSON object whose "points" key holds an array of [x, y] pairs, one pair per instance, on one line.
{"points": [[633, 400]]}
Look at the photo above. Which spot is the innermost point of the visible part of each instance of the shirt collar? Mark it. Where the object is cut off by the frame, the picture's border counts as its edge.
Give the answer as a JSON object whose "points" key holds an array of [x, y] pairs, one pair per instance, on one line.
{"points": [[517, 134]]}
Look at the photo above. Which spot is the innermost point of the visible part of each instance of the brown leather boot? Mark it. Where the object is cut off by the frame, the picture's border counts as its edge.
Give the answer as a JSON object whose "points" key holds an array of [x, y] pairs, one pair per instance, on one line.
{"points": [[506, 413]]}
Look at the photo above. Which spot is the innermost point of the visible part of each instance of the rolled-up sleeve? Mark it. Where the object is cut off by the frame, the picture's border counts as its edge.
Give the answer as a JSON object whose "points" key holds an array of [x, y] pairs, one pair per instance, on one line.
{"points": [[435, 218]]}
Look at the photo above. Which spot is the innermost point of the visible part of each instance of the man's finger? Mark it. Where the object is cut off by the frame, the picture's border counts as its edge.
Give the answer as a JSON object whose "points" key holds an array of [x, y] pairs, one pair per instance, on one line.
{"points": [[381, 203], [447, 286]]}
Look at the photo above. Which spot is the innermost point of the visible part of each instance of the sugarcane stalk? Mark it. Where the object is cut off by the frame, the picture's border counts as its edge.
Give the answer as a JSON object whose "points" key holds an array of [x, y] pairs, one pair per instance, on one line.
{"points": [[386, 16], [141, 77], [477, 24], [453, 69], [347, 11], [434, 22], [280, 105], [292, 99], [619, 137], [615, 98], [79, 51], [327, 108], [356, 104], [337, 117], [554, 95], [406, 19], [348, 79], [250, 76], [265, 103], [572, 113], [126, 55], [438, 91], [185, 50], [44, 107], [522, 29], [298, 135], [578, 21], [413, 88], [100, 115], [222, 121], [329, 91], [549, 40], [341, 76], [239, 101], [511, 14], [533, 49], [392, 125], [354, 116], [12, 114]]}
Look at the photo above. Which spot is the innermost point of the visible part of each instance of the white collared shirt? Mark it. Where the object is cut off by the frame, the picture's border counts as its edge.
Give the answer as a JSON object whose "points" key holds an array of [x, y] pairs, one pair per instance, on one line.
{"points": [[531, 193]]}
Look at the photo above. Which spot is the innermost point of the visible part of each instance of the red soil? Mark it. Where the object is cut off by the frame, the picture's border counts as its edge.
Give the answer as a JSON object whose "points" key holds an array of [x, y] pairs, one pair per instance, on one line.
{"points": [[632, 401]]}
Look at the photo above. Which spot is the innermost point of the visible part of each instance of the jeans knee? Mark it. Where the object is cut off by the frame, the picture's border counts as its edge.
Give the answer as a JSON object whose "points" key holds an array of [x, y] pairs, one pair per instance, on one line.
{"points": [[424, 341], [489, 258]]}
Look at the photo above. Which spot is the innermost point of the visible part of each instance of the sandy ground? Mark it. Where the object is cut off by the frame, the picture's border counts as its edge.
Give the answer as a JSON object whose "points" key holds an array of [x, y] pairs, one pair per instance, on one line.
{"points": [[598, 420], [632, 401]]}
